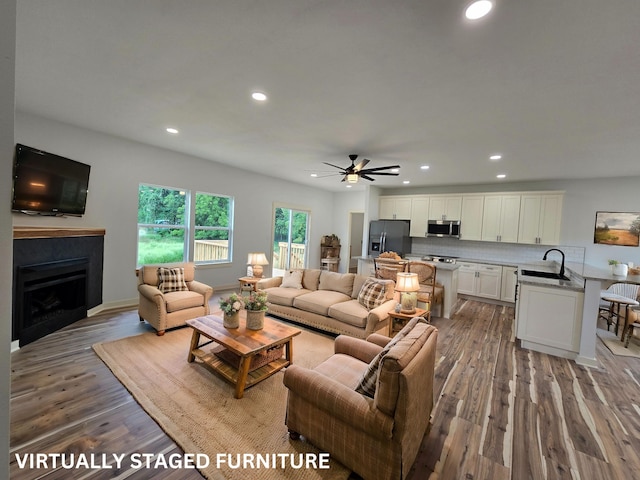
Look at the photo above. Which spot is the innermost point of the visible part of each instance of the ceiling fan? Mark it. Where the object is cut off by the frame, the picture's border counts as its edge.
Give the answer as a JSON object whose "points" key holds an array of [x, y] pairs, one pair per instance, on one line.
{"points": [[353, 172]]}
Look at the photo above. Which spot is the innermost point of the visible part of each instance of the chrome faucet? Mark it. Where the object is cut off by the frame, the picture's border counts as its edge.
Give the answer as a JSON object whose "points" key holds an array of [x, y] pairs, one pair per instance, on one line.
{"points": [[561, 253]]}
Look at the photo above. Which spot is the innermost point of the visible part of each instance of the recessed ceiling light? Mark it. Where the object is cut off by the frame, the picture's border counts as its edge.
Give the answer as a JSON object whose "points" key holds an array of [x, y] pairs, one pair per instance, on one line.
{"points": [[501, 175], [395, 170], [314, 174], [478, 9], [406, 182], [172, 130], [349, 186], [424, 167], [497, 156], [259, 96]]}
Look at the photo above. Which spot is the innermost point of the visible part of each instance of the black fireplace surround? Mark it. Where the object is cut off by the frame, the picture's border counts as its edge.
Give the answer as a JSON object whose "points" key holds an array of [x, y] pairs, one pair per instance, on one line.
{"points": [[55, 282]]}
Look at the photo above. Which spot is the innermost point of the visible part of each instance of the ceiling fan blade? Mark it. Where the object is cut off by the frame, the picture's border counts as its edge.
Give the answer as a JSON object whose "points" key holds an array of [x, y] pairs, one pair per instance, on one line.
{"points": [[367, 178], [334, 166], [380, 173], [361, 165], [369, 170]]}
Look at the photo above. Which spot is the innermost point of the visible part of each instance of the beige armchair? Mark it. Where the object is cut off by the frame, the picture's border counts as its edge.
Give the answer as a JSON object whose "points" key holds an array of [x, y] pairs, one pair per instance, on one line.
{"points": [[376, 437], [169, 309]]}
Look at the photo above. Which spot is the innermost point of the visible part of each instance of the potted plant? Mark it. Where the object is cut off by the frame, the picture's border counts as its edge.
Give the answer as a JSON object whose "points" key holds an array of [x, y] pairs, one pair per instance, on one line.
{"points": [[231, 307], [256, 305]]}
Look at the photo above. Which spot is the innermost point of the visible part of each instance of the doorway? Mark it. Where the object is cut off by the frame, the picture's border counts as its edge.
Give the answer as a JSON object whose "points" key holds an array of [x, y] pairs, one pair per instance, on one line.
{"points": [[290, 233], [356, 227]]}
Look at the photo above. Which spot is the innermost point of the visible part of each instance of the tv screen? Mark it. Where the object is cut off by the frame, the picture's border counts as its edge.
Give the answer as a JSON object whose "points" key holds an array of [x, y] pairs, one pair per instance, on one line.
{"points": [[48, 184]]}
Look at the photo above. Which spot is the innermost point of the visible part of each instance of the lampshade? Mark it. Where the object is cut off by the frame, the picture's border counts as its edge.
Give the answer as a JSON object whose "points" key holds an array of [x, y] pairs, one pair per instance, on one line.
{"points": [[407, 282], [352, 178], [257, 258]]}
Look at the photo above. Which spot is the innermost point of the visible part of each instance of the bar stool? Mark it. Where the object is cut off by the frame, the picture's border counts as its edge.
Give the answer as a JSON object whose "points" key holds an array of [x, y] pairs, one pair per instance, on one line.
{"points": [[616, 295]]}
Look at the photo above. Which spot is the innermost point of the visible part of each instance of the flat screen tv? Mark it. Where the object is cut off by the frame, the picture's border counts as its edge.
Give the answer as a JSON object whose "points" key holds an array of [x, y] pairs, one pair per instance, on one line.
{"points": [[48, 184]]}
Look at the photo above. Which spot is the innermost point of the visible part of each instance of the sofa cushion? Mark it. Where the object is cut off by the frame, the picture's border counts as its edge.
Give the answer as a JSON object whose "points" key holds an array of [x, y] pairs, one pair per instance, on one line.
{"points": [[372, 294], [369, 379], [183, 299], [319, 301], [171, 280], [292, 279], [350, 312], [284, 296], [310, 278], [337, 282]]}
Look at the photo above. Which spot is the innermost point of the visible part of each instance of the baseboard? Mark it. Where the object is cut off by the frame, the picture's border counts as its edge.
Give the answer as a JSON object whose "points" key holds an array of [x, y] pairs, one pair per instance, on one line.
{"points": [[106, 307], [15, 346]]}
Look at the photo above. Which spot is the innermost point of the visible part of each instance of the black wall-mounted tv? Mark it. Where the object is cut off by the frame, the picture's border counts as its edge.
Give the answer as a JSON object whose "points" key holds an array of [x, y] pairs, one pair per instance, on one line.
{"points": [[48, 184]]}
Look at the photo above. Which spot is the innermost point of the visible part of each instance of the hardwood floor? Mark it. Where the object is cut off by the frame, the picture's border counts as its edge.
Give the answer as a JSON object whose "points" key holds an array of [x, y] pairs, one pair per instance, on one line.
{"points": [[501, 412]]}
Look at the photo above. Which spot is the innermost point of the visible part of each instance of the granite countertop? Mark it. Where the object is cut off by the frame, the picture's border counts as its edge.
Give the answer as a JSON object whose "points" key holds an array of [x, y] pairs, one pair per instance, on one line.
{"points": [[440, 265], [575, 282]]}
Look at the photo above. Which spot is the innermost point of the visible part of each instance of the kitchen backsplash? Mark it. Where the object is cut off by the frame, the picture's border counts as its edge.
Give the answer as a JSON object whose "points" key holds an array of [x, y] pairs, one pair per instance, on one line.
{"points": [[492, 251]]}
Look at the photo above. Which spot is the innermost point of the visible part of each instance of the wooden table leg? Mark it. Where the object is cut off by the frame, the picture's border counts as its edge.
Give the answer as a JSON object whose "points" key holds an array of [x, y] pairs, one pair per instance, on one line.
{"points": [[288, 351], [195, 338], [243, 372]]}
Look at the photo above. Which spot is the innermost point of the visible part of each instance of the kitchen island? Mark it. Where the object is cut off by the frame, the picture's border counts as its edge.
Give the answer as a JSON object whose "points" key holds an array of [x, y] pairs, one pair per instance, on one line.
{"points": [[559, 316]]}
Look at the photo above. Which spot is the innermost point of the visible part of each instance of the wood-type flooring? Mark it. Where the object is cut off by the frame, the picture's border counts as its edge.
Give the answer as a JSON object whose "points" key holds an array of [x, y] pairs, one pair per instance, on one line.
{"points": [[501, 412]]}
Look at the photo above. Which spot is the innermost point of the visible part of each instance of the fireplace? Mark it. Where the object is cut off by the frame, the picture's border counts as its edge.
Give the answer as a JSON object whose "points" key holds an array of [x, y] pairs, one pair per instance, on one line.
{"points": [[57, 278], [50, 296]]}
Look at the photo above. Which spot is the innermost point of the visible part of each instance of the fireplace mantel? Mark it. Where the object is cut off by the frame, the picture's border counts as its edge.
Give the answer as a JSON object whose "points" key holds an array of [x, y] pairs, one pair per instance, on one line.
{"points": [[56, 232]]}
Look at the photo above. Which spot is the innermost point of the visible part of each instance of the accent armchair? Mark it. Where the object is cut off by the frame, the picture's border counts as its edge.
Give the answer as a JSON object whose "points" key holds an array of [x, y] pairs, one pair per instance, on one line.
{"points": [[170, 295], [378, 436]]}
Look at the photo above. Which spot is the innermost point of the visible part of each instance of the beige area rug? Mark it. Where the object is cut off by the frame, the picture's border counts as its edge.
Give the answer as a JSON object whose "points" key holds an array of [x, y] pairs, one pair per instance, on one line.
{"points": [[614, 344], [197, 409]]}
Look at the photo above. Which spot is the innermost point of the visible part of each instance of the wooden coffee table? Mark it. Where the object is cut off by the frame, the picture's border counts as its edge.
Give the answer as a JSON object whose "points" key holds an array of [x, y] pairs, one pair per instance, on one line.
{"points": [[243, 342]]}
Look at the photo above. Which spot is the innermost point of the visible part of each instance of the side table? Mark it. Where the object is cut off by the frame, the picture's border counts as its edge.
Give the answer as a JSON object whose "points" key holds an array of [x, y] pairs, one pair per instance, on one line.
{"points": [[249, 283], [399, 320]]}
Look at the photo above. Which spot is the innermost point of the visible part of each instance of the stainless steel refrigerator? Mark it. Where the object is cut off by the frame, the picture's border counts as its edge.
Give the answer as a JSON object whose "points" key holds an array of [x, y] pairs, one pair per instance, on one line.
{"points": [[389, 235]]}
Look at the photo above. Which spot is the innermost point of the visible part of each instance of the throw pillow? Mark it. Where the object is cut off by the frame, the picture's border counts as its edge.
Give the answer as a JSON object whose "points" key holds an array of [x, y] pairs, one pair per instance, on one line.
{"points": [[369, 379], [171, 280], [372, 294], [292, 279]]}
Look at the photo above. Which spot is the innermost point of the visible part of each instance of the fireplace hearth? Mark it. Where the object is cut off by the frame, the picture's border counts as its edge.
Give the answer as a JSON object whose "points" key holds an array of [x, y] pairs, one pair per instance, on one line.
{"points": [[57, 278], [50, 296]]}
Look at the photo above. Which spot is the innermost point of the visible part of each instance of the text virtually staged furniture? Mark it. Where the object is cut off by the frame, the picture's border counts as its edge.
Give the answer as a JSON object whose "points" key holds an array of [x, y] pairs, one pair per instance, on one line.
{"points": [[238, 358], [170, 295], [342, 303], [369, 404]]}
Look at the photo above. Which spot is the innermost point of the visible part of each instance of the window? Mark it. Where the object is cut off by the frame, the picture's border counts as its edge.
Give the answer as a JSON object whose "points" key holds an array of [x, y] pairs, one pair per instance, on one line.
{"points": [[175, 226], [213, 220]]}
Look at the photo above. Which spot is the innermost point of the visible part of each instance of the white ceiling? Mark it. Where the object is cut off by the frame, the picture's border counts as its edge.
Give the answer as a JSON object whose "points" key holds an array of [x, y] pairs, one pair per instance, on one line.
{"points": [[552, 85]]}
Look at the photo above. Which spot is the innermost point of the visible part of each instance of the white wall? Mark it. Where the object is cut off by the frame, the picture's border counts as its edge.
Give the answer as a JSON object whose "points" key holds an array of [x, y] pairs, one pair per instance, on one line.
{"points": [[7, 101], [344, 204], [582, 199], [118, 166]]}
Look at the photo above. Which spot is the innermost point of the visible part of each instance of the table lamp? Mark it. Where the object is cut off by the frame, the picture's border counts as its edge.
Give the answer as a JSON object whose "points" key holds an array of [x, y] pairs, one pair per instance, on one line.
{"points": [[257, 260], [407, 284]]}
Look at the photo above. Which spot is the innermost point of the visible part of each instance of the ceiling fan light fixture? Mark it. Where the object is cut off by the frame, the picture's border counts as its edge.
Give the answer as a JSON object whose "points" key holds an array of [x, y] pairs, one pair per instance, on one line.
{"points": [[478, 9], [352, 178]]}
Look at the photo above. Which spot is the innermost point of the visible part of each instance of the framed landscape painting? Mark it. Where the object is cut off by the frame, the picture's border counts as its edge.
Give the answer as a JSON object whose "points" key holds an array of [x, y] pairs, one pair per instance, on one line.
{"points": [[617, 228]]}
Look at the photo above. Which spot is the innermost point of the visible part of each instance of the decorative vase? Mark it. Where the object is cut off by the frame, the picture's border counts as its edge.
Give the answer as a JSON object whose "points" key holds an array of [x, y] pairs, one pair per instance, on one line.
{"points": [[621, 269], [255, 319], [231, 320]]}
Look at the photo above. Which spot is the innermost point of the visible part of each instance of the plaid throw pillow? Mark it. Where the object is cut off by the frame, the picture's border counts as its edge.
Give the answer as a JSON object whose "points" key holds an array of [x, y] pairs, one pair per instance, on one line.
{"points": [[372, 294], [369, 379], [171, 280]]}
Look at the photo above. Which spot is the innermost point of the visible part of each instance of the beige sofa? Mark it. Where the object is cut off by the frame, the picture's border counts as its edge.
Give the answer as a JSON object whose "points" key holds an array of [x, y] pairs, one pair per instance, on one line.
{"points": [[376, 434], [329, 301]]}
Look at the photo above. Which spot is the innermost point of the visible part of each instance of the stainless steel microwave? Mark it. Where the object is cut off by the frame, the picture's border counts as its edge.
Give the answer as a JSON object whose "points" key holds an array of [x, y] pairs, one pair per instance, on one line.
{"points": [[443, 228]]}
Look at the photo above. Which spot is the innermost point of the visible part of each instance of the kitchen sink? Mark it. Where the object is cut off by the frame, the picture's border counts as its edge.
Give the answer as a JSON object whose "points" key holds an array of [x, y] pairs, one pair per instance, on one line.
{"points": [[538, 273]]}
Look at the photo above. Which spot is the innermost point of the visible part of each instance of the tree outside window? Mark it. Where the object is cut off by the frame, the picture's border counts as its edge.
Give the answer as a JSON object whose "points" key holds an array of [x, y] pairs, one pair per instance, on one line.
{"points": [[213, 219]]}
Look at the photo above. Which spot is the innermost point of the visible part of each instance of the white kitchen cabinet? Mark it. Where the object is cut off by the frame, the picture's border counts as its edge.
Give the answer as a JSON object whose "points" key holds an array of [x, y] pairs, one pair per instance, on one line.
{"points": [[549, 319], [500, 218], [480, 280], [471, 217], [540, 217], [394, 208], [509, 281], [419, 216], [445, 207]]}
